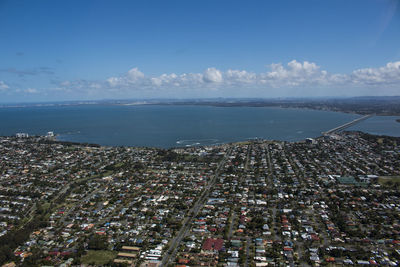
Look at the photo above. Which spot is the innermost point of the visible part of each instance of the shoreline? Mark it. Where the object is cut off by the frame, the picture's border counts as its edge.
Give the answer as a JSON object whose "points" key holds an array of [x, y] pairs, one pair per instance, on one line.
{"points": [[380, 106], [54, 140], [292, 137]]}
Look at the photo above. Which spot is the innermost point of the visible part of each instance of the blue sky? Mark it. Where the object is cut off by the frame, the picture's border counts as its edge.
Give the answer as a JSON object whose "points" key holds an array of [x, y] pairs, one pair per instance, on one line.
{"points": [[77, 50]]}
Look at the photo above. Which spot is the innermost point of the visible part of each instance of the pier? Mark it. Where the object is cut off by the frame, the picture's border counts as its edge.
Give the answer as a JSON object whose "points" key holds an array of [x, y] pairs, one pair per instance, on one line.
{"points": [[347, 125]]}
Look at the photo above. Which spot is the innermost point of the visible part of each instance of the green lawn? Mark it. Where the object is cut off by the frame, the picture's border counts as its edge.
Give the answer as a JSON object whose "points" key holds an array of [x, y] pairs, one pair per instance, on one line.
{"points": [[98, 257], [384, 180]]}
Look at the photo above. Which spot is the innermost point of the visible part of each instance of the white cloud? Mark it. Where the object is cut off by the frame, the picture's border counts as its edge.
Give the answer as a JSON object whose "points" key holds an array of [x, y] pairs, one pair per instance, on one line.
{"points": [[164, 79], [3, 86], [296, 76], [113, 81], [240, 76], [31, 91], [386, 75], [134, 75], [212, 75], [65, 83]]}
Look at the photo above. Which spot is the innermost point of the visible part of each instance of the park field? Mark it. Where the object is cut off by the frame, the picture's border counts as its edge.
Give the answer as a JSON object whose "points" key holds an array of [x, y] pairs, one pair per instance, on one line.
{"points": [[388, 180], [98, 257]]}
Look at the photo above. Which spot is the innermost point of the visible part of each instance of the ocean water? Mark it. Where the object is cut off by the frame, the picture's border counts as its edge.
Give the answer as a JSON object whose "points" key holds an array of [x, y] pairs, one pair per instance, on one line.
{"points": [[176, 126], [379, 125]]}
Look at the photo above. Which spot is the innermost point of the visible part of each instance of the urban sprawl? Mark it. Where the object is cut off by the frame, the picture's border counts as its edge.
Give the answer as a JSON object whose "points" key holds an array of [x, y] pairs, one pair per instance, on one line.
{"points": [[331, 201]]}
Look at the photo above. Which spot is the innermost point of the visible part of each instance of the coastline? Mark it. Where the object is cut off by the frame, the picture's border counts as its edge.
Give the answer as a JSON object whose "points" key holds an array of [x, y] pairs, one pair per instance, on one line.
{"points": [[380, 106], [54, 140], [282, 124]]}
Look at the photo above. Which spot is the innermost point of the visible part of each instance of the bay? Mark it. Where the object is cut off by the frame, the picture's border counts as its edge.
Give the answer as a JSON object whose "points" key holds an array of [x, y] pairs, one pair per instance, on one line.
{"points": [[169, 126], [379, 125]]}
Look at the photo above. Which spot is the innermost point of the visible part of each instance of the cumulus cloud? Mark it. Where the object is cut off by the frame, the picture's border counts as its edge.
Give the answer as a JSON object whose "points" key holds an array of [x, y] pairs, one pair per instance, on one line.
{"points": [[294, 75], [31, 91], [212, 75], [113, 81], [386, 75], [3, 86], [240, 76], [134, 75]]}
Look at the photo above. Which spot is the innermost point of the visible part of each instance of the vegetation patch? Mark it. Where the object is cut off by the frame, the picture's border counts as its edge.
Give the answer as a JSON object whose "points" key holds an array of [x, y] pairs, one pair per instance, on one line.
{"points": [[389, 180], [98, 257]]}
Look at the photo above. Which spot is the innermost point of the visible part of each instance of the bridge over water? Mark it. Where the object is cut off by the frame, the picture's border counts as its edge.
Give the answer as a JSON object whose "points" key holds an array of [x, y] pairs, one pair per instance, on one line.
{"points": [[347, 125]]}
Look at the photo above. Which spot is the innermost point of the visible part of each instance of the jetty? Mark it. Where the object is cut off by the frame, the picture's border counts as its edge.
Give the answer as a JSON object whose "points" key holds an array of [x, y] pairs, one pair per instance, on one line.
{"points": [[347, 125]]}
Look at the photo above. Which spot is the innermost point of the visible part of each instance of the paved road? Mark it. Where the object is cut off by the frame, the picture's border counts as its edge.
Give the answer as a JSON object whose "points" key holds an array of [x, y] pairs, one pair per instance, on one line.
{"points": [[269, 161], [32, 210], [233, 218], [248, 240], [72, 209], [173, 249], [246, 166]]}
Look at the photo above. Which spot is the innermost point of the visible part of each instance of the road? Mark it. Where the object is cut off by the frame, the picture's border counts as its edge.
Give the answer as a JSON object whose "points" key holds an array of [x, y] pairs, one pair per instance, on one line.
{"points": [[248, 240], [246, 166], [72, 209], [173, 249], [32, 210], [232, 220]]}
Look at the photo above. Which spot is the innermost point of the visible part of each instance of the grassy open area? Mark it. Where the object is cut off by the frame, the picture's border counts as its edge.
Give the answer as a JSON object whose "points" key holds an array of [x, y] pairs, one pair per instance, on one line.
{"points": [[387, 180], [242, 143], [98, 257]]}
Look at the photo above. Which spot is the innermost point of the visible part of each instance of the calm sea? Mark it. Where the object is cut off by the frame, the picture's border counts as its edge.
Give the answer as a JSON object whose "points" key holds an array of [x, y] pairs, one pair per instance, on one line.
{"points": [[171, 126]]}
